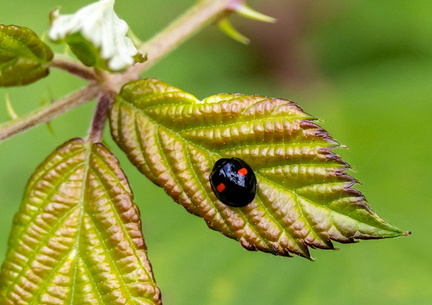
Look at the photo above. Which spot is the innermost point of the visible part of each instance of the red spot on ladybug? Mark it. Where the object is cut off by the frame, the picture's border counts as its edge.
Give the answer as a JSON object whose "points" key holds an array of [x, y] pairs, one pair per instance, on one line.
{"points": [[242, 171], [220, 188]]}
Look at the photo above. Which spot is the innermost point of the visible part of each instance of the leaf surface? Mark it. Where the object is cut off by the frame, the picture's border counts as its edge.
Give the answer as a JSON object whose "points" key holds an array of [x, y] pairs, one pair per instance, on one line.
{"points": [[305, 196], [77, 236], [24, 58]]}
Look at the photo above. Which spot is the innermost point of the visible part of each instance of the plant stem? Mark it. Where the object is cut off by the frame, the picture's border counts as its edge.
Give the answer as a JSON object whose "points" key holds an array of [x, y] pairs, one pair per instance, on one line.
{"points": [[193, 20], [100, 116], [48, 112], [73, 68]]}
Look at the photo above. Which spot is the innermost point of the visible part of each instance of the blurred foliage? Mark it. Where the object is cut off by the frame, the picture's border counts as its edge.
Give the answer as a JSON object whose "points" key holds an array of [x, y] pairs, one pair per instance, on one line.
{"points": [[371, 64]]}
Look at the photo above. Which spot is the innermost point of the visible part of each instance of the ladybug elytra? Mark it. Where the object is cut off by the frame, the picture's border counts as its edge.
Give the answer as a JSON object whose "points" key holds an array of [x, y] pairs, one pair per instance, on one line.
{"points": [[233, 182]]}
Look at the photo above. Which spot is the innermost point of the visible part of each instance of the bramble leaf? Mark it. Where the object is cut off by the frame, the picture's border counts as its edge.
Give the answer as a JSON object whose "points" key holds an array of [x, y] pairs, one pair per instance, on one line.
{"points": [[77, 236], [305, 198], [24, 58]]}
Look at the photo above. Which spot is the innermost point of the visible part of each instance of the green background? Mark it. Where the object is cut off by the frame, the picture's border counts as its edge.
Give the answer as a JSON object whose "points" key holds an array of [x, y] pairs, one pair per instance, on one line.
{"points": [[363, 67]]}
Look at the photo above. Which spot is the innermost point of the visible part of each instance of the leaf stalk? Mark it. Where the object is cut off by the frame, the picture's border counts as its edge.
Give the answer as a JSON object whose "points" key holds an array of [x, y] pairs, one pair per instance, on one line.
{"points": [[76, 69], [99, 118]]}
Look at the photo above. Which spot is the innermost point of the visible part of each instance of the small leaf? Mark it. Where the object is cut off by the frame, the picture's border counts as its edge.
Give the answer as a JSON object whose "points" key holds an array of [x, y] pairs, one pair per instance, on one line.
{"points": [[85, 51], [305, 198], [77, 236], [24, 58]]}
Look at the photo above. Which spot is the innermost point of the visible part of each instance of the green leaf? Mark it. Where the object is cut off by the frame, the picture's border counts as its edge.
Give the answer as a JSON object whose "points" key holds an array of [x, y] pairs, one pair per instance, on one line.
{"points": [[24, 58], [77, 236], [85, 51], [305, 198]]}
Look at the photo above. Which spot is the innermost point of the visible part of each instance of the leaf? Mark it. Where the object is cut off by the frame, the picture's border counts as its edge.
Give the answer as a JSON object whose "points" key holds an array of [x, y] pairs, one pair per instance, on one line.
{"points": [[77, 236], [305, 198], [84, 50], [24, 58]]}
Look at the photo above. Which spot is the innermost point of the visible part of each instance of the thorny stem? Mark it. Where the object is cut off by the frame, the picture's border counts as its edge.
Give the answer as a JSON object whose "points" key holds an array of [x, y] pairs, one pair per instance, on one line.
{"points": [[193, 20], [49, 112]]}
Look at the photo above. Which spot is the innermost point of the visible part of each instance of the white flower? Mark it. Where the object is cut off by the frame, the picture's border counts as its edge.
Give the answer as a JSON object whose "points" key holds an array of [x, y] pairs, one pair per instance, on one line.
{"points": [[99, 24]]}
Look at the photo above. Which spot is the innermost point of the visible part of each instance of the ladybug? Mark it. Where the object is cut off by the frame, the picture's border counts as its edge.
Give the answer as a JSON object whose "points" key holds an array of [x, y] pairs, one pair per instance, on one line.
{"points": [[233, 182]]}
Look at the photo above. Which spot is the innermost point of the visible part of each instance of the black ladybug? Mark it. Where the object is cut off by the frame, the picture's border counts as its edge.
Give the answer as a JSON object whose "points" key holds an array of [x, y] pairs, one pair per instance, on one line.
{"points": [[233, 182]]}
